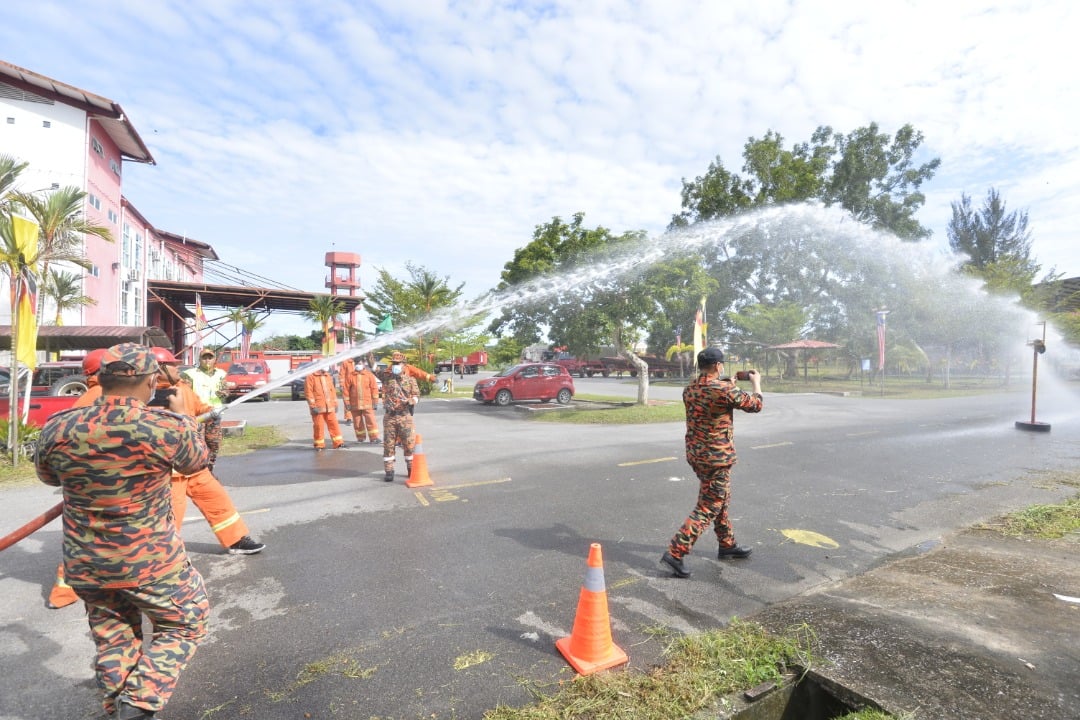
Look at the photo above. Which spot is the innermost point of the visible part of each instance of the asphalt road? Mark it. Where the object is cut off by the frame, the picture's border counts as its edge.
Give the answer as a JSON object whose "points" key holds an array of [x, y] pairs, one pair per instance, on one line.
{"points": [[376, 601]]}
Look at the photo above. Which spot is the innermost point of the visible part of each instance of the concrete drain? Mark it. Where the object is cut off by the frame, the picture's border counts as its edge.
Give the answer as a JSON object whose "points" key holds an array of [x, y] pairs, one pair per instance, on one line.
{"points": [[804, 696]]}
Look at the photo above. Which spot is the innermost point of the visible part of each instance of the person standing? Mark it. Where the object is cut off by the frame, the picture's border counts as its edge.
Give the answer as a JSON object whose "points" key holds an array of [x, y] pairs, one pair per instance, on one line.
{"points": [[347, 376], [122, 553], [363, 398], [208, 381], [710, 400], [321, 395], [400, 395]]}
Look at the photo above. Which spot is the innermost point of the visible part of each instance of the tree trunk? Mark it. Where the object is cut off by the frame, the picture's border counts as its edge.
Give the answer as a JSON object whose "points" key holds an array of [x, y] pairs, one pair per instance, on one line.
{"points": [[641, 365]]}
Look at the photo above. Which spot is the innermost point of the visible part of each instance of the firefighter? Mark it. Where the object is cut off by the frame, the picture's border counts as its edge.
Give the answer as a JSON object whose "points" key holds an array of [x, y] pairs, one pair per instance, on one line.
{"points": [[321, 395], [346, 375], [400, 395], [208, 380], [363, 400], [204, 489]]}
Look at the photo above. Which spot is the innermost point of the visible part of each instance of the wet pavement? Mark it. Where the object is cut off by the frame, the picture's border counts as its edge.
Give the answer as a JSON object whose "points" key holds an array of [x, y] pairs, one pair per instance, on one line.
{"points": [[374, 601], [980, 627]]}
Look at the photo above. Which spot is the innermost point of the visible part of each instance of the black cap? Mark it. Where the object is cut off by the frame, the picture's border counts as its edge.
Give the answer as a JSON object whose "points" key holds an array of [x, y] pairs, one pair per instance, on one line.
{"points": [[710, 356]]}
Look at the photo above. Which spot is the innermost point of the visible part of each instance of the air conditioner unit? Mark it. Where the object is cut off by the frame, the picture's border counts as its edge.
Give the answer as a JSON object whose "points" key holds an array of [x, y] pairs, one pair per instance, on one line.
{"points": [[133, 275]]}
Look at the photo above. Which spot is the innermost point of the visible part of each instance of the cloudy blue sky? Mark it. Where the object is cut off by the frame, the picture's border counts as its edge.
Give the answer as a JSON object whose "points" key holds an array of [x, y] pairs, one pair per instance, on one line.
{"points": [[443, 133]]}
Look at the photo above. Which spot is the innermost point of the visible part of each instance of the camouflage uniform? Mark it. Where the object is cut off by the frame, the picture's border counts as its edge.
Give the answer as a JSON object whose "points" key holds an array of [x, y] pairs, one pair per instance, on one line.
{"points": [[122, 553], [710, 451], [397, 420]]}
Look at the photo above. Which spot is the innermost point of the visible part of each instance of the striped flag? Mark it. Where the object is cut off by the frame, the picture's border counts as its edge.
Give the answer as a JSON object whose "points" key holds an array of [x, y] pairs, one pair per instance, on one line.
{"points": [[245, 343], [881, 338], [200, 325], [26, 320], [699, 329]]}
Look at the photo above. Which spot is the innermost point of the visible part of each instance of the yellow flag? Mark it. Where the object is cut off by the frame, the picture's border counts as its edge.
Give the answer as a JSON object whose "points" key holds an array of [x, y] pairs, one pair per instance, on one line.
{"points": [[26, 325], [699, 329]]}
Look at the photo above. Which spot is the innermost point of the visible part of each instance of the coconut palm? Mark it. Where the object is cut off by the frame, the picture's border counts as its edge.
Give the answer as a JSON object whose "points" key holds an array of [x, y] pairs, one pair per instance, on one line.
{"points": [[10, 168], [59, 215], [65, 291], [323, 310], [251, 322]]}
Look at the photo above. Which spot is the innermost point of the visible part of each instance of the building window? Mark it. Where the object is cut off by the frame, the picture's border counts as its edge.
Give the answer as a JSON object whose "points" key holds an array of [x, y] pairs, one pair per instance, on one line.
{"points": [[11, 121], [114, 166], [46, 123], [93, 271], [113, 217], [97, 147], [94, 201]]}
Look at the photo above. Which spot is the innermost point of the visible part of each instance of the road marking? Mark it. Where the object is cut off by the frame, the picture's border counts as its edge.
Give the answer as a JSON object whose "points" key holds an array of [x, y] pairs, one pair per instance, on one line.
{"points": [[809, 537], [476, 484], [772, 445], [646, 462], [420, 496], [624, 582], [863, 434]]}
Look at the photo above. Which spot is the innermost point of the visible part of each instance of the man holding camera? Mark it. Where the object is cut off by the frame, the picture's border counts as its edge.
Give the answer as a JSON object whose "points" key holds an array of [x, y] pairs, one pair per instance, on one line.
{"points": [[710, 400], [122, 553]]}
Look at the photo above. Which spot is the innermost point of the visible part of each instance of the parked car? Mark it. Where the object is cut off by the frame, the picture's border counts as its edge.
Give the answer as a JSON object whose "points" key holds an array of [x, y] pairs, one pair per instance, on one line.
{"points": [[297, 386], [63, 377], [527, 381], [245, 376]]}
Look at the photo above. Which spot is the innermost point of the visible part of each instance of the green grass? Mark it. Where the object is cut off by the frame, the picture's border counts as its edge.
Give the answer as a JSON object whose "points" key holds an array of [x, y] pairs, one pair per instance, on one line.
{"points": [[1045, 522], [258, 437], [698, 671]]}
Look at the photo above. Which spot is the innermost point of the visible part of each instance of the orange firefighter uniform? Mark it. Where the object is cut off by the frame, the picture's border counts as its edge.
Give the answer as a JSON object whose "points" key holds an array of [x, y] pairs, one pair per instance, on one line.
{"points": [[321, 395], [345, 373], [363, 398]]}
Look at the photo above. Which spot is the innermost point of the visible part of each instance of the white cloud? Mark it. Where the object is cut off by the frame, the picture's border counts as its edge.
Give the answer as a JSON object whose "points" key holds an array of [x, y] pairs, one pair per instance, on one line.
{"points": [[442, 135]]}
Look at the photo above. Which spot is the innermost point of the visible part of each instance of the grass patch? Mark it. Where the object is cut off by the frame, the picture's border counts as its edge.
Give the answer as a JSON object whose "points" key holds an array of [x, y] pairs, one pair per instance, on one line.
{"points": [[1044, 522], [699, 670], [258, 437]]}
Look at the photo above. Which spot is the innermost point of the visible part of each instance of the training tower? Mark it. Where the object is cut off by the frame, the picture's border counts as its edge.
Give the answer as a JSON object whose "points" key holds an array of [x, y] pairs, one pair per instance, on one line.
{"points": [[343, 278]]}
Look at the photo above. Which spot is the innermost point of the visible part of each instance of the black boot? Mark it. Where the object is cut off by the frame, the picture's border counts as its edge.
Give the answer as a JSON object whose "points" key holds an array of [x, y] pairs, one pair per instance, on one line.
{"points": [[408, 469], [130, 712], [389, 477]]}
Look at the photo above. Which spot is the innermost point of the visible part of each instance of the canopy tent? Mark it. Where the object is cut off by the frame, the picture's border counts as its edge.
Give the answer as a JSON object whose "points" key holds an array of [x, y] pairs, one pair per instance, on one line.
{"points": [[801, 345], [55, 338]]}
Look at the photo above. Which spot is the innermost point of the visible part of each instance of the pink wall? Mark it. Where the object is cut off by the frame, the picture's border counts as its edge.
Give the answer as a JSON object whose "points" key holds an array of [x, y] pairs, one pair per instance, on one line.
{"points": [[103, 187]]}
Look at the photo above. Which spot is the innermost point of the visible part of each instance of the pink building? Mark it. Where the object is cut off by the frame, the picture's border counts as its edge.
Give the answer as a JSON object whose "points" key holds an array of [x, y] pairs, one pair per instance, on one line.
{"points": [[71, 137]]}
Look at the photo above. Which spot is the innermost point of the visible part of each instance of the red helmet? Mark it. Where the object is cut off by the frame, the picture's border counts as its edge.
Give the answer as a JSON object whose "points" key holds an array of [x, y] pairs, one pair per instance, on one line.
{"points": [[164, 356], [91, 363]]}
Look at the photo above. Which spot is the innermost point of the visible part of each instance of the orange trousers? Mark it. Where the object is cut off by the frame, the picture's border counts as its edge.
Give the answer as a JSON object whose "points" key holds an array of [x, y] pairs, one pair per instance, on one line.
{"points": [[364, 423], [208, 494], [321, 422]]}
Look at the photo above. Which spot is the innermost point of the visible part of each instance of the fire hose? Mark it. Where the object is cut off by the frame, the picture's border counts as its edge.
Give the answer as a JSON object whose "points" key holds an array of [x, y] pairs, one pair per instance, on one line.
{"points": [[31, 527]]}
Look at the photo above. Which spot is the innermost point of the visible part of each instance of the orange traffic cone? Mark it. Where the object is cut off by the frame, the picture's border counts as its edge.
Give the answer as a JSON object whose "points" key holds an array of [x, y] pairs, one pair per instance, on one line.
{"points": [[418, 476], [61, 594], [589, 647]]}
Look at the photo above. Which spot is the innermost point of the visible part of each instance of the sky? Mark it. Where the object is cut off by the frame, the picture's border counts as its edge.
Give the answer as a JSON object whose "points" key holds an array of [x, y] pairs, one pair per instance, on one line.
{"points": [[442, 133]]}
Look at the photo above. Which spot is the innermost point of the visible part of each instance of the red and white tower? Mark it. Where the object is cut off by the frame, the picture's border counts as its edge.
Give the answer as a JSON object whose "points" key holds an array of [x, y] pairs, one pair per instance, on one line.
{"points": [[343, 278]]}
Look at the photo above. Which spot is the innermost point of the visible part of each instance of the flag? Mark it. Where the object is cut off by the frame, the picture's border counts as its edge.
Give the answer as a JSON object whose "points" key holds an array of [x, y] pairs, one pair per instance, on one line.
{"points": [[329, 343], [26, 321], [881, 339], [386, 325], [699, 329], [200, 325], [245, 343]]}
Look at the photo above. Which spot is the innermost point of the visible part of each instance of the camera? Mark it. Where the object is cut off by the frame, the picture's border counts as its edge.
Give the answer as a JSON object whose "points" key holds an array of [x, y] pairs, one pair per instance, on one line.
{"points": [[161, 398], [742, 375]]}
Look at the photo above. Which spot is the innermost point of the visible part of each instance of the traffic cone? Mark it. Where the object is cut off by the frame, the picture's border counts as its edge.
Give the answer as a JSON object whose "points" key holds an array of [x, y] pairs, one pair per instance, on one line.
{"points": [[61, 594], [589, 647], [418, 476]]}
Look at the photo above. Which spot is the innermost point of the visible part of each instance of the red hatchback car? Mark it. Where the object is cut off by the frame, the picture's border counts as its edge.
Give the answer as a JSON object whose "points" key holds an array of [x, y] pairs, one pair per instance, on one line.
{"points": [[245, 376], [528, 381]]}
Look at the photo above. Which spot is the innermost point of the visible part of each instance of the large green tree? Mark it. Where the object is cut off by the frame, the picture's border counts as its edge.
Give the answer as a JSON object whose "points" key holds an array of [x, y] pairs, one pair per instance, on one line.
{"points": [[581, 300], [408, 301], [866, 172]]}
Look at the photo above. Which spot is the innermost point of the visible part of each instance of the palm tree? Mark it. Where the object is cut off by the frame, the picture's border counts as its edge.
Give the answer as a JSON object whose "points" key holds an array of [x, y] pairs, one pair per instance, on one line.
{"points": [[237, 317], [251, 322], [65, 290], [59, 215], [324, 310], [10, 168]]}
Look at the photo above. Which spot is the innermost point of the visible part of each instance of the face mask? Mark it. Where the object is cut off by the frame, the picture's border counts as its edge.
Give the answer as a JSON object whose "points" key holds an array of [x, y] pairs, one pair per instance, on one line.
{"points": [[396, 369]]}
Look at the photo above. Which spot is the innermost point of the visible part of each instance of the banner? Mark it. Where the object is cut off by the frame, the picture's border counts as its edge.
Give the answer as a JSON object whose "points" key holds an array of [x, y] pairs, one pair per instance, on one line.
{"points": [[699, 329], [25, 311]]}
